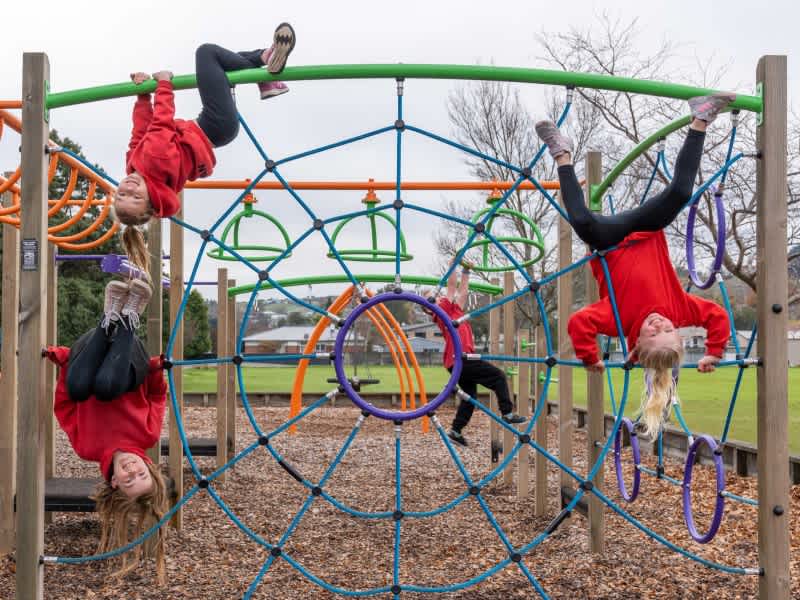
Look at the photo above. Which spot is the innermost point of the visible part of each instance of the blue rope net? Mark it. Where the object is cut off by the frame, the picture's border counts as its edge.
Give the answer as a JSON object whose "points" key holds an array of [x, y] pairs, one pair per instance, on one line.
{"points": [[316, 490]]}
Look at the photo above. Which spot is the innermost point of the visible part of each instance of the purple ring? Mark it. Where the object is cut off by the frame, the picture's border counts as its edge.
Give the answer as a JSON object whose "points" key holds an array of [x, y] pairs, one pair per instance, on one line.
{"points": [[628, 424], [720, 253], [687, 490], [393, 415]]}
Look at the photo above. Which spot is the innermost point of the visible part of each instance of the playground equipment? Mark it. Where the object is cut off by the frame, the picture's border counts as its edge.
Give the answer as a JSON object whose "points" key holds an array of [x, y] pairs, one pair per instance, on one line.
{"points": [[772, 377]]}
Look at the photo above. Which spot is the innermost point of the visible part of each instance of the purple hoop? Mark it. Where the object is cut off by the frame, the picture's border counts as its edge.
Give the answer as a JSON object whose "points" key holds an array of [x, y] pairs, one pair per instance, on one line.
{"points": [[720, 253], [628, 424], [393, 415], [687, 490]]}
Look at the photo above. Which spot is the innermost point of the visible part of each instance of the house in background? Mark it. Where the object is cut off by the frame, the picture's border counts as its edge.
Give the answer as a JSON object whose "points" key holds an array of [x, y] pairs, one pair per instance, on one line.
{"points": [[292, 339]]}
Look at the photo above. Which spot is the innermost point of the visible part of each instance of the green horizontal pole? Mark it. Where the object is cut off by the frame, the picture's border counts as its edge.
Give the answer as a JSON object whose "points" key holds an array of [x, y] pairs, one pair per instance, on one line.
{"points": [[371, 278], [599, 190], [476, 72]]}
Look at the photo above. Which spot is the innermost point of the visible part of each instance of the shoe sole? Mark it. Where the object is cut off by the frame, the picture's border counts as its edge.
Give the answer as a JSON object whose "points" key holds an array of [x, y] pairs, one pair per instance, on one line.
{"points": [[461, 443], [273, 93], [281, 48]]}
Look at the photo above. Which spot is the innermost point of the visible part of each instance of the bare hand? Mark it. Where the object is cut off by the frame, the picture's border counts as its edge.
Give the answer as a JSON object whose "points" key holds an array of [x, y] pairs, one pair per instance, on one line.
{"points": [[707, 364], [162, 75], [139, 77], [597, 367]]}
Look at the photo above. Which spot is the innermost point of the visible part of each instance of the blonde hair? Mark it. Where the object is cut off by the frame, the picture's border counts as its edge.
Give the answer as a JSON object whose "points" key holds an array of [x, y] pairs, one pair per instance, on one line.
{"points": [[660, 386], [135, 246], [123, 519]]}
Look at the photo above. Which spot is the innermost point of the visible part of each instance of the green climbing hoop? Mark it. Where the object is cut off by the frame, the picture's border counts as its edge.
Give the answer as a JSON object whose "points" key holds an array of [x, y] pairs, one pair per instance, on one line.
{"points": [[251, 252], [373, 254], [537, 241]]}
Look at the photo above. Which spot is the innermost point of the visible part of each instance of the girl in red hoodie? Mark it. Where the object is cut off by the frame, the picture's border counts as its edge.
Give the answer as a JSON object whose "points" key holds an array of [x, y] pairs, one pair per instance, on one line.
{"points": [[651, 301], [164, 152], [110, 401]]}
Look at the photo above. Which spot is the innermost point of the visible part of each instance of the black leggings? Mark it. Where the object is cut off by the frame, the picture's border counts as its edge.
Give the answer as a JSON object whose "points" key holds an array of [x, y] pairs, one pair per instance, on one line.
{"points": [[219, 118], [603, 231], [106, 365], [474, 372]]}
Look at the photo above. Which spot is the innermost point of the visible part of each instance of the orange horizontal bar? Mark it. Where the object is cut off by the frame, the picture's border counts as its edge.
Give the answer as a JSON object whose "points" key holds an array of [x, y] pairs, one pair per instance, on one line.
{"points": [[12, 121], [231, 184], [10, 103]]}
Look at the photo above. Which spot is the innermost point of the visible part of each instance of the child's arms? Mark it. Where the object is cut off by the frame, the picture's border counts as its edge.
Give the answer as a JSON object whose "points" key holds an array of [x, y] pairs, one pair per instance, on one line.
{"points": [[583, 328], [463, 289], [714, 319], [142, 113], [155, 388], [164, 103], [64, 408]]}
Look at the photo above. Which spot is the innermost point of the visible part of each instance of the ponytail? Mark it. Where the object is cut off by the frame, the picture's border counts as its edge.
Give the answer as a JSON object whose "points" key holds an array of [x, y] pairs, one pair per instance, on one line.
{"points": [[135, 247], [660, 386]]}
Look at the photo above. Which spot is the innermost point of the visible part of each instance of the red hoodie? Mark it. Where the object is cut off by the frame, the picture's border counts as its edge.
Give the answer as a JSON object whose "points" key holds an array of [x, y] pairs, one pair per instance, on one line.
{"points": [[166, 151], [130, 423], [454, 311], [644, 282]]}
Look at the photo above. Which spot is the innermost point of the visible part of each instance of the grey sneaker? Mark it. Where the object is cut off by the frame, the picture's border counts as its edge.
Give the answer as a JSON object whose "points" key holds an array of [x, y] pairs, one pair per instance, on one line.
{"points": [[513, 418], [282, 46], [706, 108], [457, 437], [139, 293], [557, 142], [115, 298]]}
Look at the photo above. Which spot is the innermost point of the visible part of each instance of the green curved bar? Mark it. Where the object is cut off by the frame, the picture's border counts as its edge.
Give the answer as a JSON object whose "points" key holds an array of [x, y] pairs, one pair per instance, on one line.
{"points": [[419, 71], [477, 286], [596, 196], [218, 253], [360, 255], [538, 243]]}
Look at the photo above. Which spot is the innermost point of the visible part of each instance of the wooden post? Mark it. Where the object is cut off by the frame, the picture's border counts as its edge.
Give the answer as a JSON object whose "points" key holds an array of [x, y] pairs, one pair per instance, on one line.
{"points": [[155, 309], [540, 431], [34, 406], [49, 368], [508, 348], [233, 331], [524, 409], [595, 436], [175, 299], [772, 285], [222, 387], [8, 382], [494, 348], [565, 427]]}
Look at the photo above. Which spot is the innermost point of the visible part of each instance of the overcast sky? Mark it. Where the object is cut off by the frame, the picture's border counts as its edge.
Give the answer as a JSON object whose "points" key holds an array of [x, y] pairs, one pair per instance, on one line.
{"points": [[94, 43]]}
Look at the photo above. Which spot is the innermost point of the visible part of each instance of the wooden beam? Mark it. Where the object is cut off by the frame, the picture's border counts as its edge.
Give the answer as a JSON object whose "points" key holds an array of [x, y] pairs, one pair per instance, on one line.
{"points": [[222, 386], [494, 348], [508, 348], [8, 381], [524, 409], [772, 285], [50, 368], [565, 426], [175, 299], [594, 391], [233, 331], [155, 309], [540, 429], [34, 406]]}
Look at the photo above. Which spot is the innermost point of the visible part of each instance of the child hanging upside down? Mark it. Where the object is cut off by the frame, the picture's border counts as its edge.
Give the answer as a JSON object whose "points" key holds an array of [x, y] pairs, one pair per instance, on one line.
{"points": [[110, 401], [473, 372], [651, 301], [164, 152]]}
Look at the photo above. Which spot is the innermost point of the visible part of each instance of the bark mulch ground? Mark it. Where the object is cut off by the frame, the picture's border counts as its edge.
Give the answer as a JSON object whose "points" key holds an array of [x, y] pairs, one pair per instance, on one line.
{"points": [[210, 558]]}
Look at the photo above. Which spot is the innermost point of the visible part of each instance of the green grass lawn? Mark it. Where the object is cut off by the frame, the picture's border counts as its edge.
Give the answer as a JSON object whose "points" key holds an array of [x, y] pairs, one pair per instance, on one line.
{"points": [[704, 398]]}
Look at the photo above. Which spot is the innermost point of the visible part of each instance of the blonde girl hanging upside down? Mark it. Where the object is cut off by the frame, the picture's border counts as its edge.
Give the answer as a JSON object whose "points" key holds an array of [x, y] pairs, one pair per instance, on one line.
{"points": [[651, 301]]}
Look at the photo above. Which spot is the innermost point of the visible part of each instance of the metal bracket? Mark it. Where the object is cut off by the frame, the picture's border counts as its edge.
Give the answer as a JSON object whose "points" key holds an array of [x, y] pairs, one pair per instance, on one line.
{"points": [[595, 202], [760, 94]]}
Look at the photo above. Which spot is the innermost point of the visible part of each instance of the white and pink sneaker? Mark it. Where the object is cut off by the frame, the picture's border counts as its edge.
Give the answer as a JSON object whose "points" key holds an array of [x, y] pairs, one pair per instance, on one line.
{"points": [[270, 89]]}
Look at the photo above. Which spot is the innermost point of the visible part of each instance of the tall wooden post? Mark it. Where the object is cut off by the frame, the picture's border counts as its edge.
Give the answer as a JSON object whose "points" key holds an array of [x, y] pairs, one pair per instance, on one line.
{"points": [[540, 429], [49, 367], [175, 299], [34, 406], [494, 348], [594, 391], [524, 409], [508, 349], [8, 382], [155, 309], [222, 386], [233, 331], [773, 451], [565, 427]]}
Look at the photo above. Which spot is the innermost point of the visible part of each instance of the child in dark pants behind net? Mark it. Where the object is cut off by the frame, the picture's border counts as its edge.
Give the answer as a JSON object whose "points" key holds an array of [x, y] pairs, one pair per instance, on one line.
{"points": [[473, 372], [110, 401]]}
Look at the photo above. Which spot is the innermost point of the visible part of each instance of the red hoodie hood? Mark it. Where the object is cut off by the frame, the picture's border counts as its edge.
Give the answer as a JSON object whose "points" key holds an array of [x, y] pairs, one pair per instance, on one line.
{"points": [[164, 200]]}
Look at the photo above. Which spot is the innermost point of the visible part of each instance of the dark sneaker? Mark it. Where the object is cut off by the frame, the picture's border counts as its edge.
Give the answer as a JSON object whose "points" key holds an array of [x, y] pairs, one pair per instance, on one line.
{"points": [[512, 418], [457, 437], [706, 108], [557, 142], [282, 46]]}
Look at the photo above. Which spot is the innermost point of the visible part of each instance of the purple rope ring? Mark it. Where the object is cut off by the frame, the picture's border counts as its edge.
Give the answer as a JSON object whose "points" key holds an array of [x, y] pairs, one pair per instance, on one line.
{"points": [[627, 424], [395, 415], [720, 253], [687, 490]]}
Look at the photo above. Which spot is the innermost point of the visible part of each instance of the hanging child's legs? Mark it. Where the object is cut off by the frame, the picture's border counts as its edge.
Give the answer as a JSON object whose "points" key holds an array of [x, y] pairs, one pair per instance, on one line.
{"points": [[603, 231], [219, 118], [124, 367], [465, 409], [85, 358], [474, 372]]}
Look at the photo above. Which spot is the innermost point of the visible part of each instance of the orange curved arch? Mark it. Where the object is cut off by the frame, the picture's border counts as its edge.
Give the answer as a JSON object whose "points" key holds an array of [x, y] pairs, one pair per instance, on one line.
{"points": [[395, 343], [87, 202], [8, 183], [94, 243], [68, 191], [372, 316], [85, 232]]}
